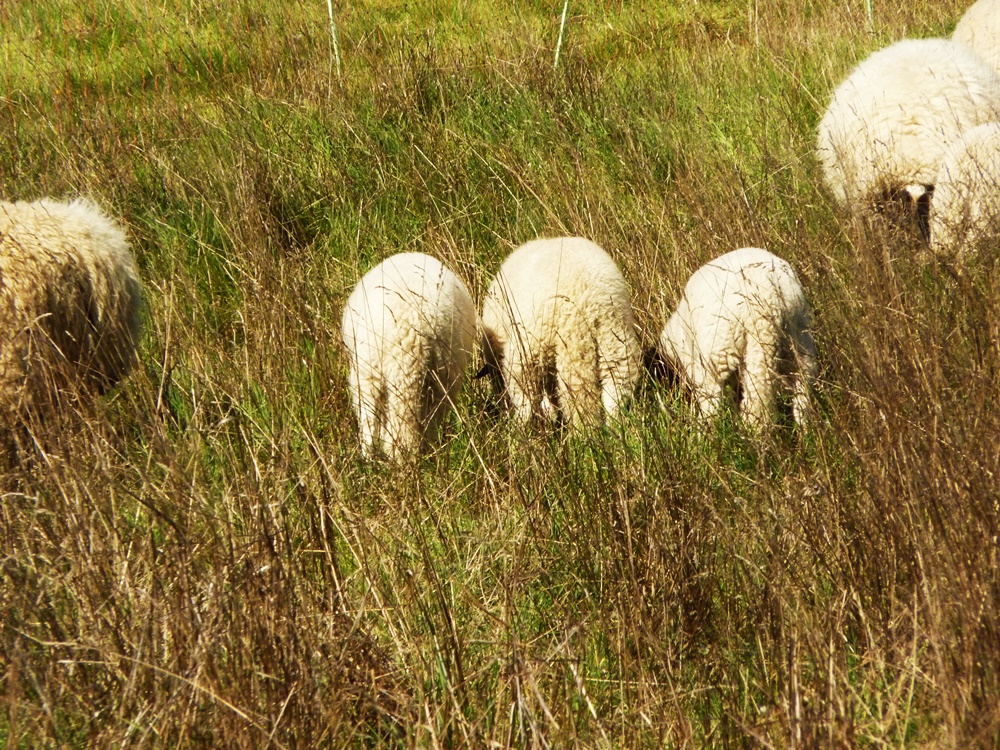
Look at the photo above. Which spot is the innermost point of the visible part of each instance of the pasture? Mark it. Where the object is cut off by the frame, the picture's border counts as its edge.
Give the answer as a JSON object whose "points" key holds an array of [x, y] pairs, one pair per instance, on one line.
{"points": [[203, 558]]}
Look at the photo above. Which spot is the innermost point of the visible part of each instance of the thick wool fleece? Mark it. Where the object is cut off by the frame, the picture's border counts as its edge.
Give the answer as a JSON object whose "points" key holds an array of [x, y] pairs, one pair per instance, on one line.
{"points": [[70, 300], [890, 122], [965, 210], [744, 318], [409, 328], [560, 333], [979, 30]]}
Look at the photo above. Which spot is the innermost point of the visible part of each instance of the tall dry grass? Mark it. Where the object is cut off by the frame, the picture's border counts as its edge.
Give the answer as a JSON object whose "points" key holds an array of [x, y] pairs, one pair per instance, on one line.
{"points": [[203, 559]]}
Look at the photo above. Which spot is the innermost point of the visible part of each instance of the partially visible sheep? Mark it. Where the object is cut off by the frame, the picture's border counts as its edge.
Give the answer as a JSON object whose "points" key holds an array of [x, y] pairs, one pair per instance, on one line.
{"points": [[884, 135], [409, 328], [70, 300], [966, 206], [743, 320], [979, 30], [559, 333]]}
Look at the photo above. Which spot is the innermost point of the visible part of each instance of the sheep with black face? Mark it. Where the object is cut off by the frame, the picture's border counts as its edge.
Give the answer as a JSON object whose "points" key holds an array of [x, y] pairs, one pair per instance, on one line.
{"points": [[883, 137]]}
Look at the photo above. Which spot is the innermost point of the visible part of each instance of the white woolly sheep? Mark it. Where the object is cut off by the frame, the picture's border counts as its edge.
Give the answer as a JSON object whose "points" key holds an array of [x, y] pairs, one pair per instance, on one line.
{"points": [[409, 328], [889, 123], [743, 320], [70, 301], [979, 30], [966, 206], [559, 336]]}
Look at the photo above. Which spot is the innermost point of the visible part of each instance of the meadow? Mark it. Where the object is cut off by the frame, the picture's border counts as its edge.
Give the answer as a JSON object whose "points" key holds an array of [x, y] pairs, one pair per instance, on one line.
{"points": [[203, 558]]}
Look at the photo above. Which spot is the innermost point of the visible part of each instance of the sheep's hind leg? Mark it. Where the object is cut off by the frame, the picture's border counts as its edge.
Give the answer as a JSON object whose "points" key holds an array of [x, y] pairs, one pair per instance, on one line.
{"points": [[519, 398], [368, 400], [806, 370], [579, 393], [618, 374], [707, 389], [760, 377], [613, 395], [441, 389], [404, 416]]}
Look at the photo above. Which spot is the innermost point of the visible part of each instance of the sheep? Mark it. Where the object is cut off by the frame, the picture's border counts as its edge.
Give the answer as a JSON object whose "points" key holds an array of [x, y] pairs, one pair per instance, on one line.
{"points": [[70, 302], [409, 329], [979, 30], [966, 206], [559, 337], [884, 134], [743, 320]]}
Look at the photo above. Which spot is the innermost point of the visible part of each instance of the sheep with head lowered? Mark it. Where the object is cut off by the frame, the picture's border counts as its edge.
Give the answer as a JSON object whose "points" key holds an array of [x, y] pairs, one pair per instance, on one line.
{"points": [[881, 141], [965, 211], [743, 320], [979, 30], [409, 328], [70, 300], [559, 336]]}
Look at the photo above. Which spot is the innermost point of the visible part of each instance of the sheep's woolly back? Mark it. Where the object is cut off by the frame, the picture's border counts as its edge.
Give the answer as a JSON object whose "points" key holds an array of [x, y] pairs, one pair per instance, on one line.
{"points": [[70, 298], [979, 30], [743, 315], [890, 122], [409, 328], [966, 206], [559, 326]]}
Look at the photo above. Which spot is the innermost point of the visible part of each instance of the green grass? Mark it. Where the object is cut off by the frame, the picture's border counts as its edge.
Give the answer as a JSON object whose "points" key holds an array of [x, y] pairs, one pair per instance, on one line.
{"points": [[203, 557]]}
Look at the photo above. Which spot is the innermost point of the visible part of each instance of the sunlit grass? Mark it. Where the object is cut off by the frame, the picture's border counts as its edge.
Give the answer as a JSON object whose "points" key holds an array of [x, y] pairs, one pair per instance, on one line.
{"points": [[203, 558]]}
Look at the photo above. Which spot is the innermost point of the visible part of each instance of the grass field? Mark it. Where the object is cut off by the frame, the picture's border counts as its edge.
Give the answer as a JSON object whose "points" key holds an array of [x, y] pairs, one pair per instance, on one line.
{"points": [[203, 558]]}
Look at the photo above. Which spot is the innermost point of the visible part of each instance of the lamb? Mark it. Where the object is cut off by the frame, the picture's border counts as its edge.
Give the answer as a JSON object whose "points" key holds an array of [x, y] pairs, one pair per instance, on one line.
{"points": [[409, 328], [70, 300], [559, 337], [884, 134], [966, 207], [979, 30], [743, 320]]}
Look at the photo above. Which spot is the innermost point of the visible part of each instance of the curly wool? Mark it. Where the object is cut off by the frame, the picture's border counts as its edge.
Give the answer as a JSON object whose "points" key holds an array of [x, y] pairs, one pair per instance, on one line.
{"points": [[70, 300], [559, 332], [743, 317], [409, 328], [979, 30], [890, 122], [966, 206]]}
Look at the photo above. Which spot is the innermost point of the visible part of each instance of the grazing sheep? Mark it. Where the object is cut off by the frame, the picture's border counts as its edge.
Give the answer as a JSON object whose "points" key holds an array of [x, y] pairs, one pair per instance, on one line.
{"points": [[409, 328], [979, 30], [70, 299], [743, 320], [559, 337], [966, 206], [889, 123]]}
